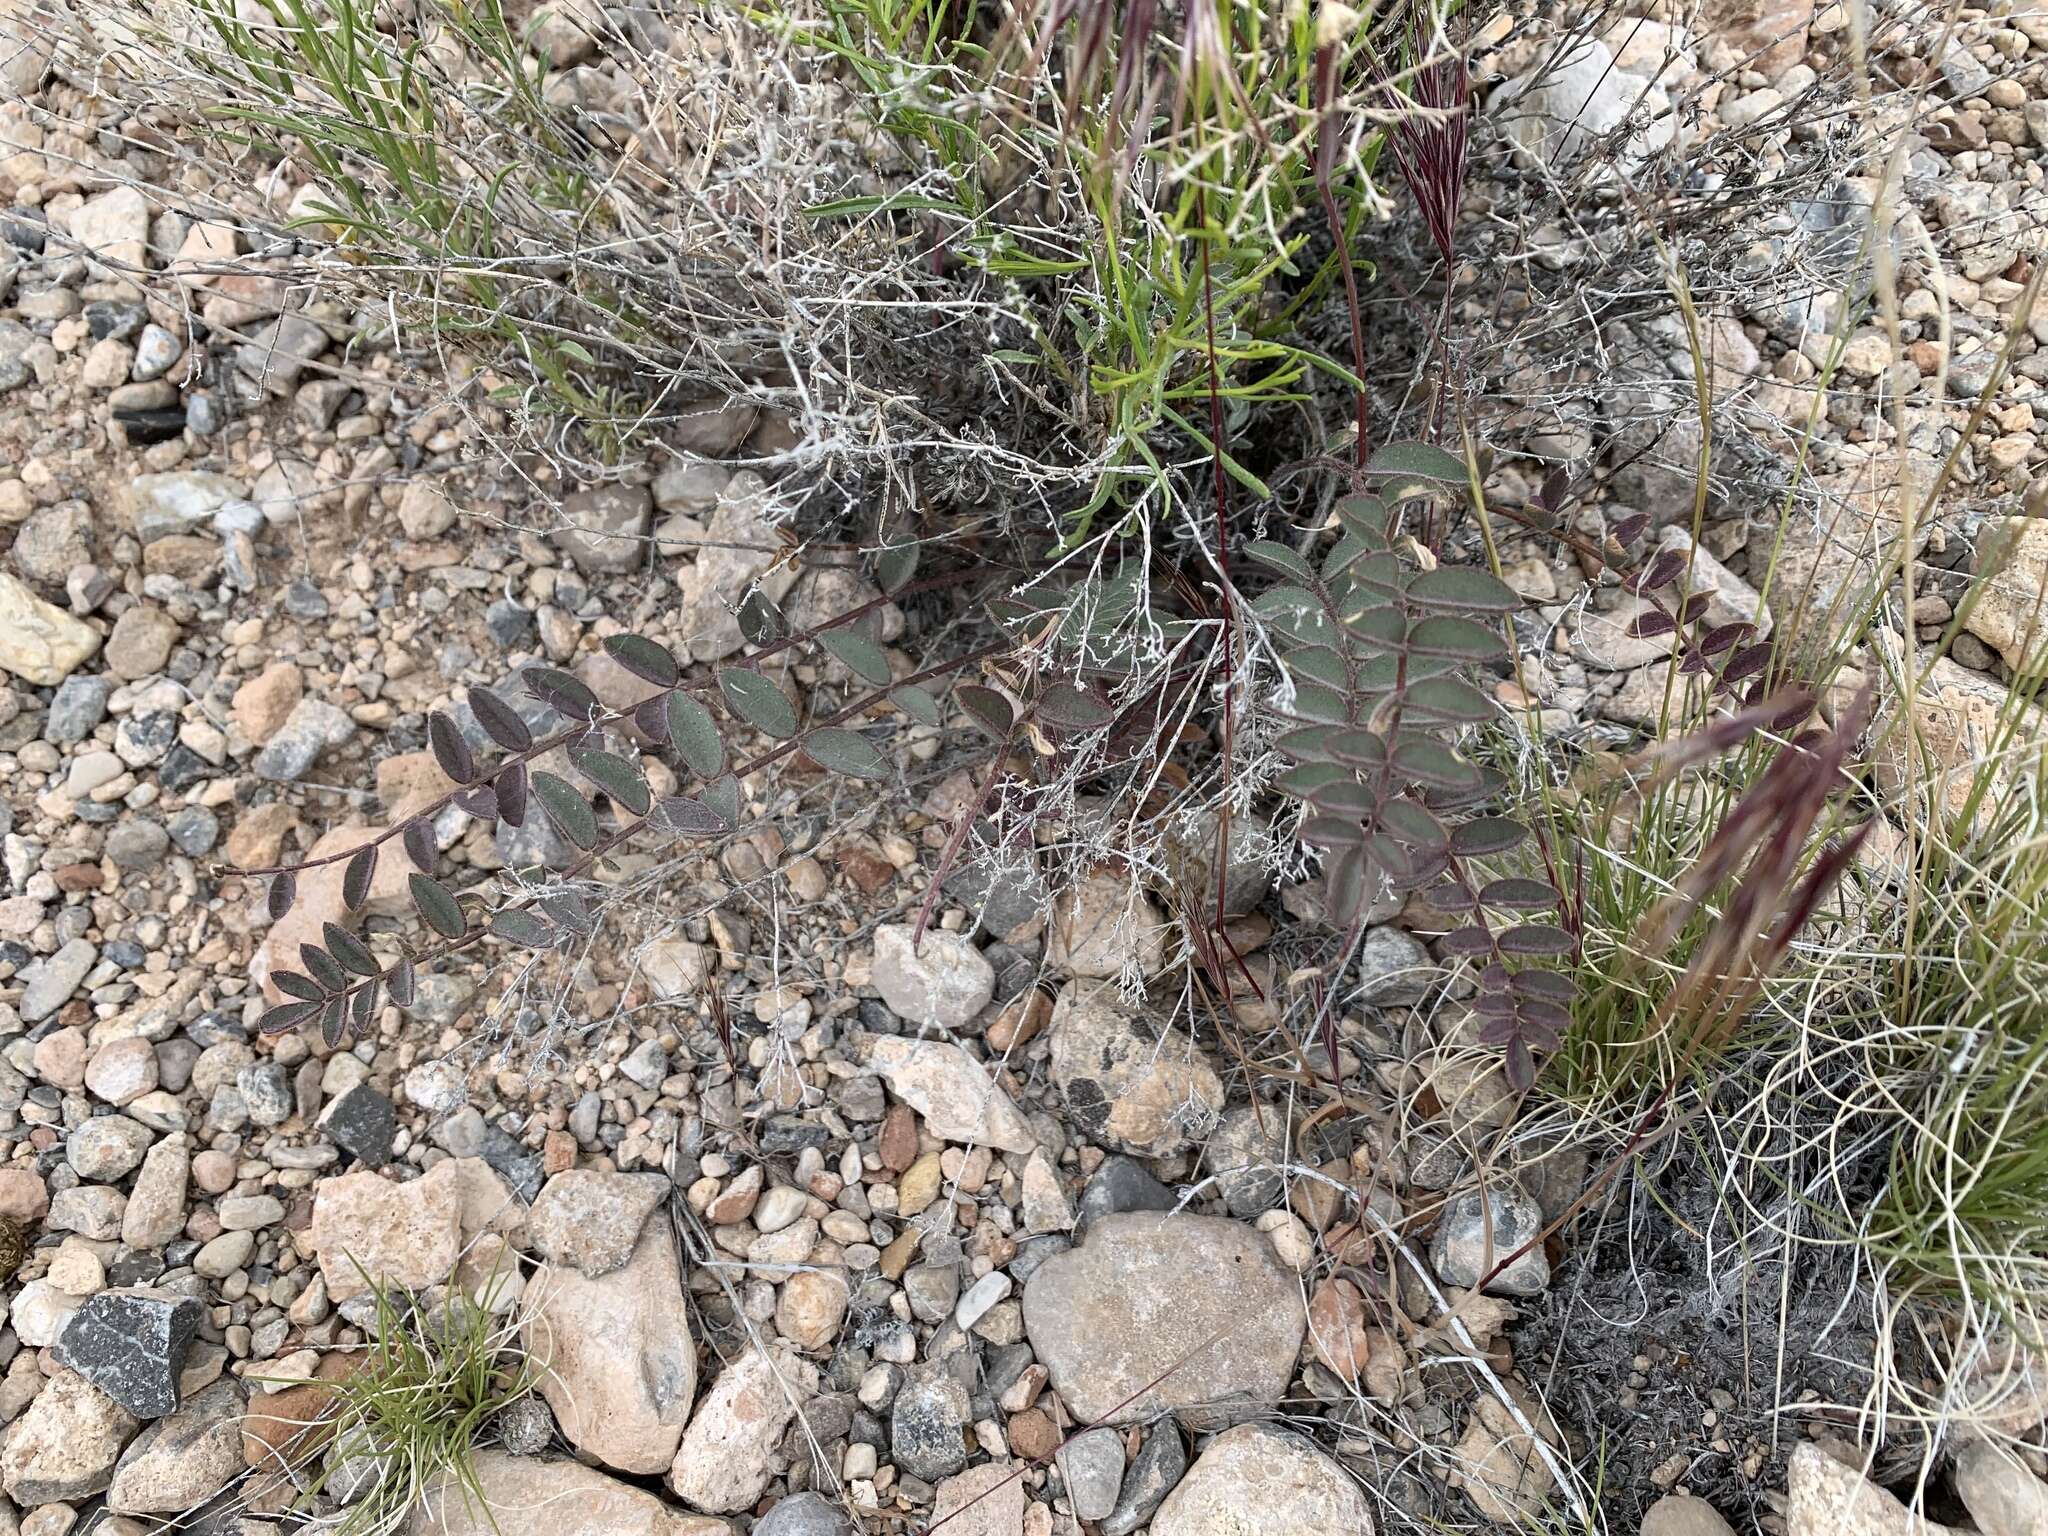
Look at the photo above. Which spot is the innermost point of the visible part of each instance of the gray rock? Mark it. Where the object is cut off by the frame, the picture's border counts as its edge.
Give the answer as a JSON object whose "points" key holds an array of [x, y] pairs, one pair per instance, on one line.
{"points": [[79, 704], [107, 1147], [194, 831], [525, 1427], [137, 843], [1244, 1153], [51, 980], [1298, 1491], [804, 1514], [90, 1210], [1120, 1184], [927, 1424], [1557, 112], [181, 1461], [1680, 1514], [156, 352], [2005, 1498], [266, 1090], [179, 502], [1132, 1080], [932, 1290], [1393, 969], [280, 352], [362, 1122], [1156, 1313], [607, 527], [1093, 1465], [313, 726], [591, 1219], [131, 1344], [646, 1064], [1158, 1467], [1478, 1230]]}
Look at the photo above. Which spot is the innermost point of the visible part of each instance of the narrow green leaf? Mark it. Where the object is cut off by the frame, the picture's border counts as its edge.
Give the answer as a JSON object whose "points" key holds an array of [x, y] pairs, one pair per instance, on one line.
{"points": [[1304, 779], [349, 950], [438, 906], [1432, 763], [694, 735], [322, 967], [566, 808], [1403, 818], [691, 818], [1485, 836], [1519, 895], [302, 987], [615, 776], [1448, 700], [1319, 664], [560, 692], [1535, 939], [276, 1021], [1332, 832], [1313, 701], [1365, 517], [1343, 797], [861, 656], [846, 751]]}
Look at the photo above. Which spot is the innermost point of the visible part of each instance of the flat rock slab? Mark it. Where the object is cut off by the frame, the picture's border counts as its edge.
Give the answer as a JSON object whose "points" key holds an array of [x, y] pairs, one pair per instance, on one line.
{"points": [[370, 1230], [591, 1219], [131, 1344], [952, 1091], [1159, 1313], [560, 1498]]}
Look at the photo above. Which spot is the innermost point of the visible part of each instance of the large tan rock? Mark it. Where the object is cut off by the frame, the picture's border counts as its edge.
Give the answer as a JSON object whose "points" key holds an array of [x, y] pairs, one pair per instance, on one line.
{"points": [[614, 1354], [369, 1229], [558, 1498], [1963, 725], [1130, 1079], [1825, 1498], [1256, 1480], [2010, 612], [729, 1453], [1156, 1312]]}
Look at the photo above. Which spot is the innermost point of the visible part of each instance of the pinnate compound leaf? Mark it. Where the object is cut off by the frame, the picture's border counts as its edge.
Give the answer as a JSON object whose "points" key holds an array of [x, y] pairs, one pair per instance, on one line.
{"points": [[499, 720], [616, 777], [403, 982], [278, 899], [567, 809], [1447, 700], [1073, 709], [332, 1018], [1280, 558], [694, 735], [756, 700], [847, 752], [1432, 763], [860, 655], [450, 750], [643, 658], [438, 906], [1519, 895]]}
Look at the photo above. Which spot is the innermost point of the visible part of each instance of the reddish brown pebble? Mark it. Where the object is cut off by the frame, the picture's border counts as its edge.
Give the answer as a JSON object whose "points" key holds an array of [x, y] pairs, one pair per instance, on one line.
{"points": [[899, 1138], [1033, 1436]]}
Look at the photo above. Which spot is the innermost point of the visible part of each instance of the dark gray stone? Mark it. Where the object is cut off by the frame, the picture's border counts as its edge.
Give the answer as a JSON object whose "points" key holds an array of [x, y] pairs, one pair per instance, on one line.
{"points": [[927, 1424], [507, 622], [526, 1427], [194, 831], [131, 1344], [1121, 1184], [362, 1123], [1160, 1464], [266, 1090]]}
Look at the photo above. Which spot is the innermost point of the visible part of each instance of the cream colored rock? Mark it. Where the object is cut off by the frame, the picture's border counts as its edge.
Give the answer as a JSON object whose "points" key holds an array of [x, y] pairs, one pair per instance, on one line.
{"points": [[1498, 1463], [1104, 925], [1131, 1080], [614, 1354], [987, 1500], [1958, 714], [1256, 1480], [952, 1091], [2011, 612], [1825, 1498], [368, 1229], [551, 1498], [39, 642], [728, 1454]]}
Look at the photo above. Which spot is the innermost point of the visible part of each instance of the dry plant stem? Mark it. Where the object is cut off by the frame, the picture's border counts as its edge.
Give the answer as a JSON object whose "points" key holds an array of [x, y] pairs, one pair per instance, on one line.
{"points": [[628, 829], [615, 717]]}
